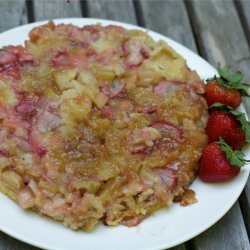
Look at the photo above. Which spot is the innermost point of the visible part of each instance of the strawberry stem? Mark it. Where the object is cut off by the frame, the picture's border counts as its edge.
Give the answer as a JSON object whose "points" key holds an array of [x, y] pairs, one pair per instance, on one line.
{"points": [[236, 157]]}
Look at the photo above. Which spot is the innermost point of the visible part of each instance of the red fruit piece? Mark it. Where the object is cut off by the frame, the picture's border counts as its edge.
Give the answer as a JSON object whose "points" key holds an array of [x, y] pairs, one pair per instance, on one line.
{"points": [[168, 177], [168, 131], [163, 87], [214, 165], [27, 104], [61, 58], [143, 150], [235, 138], [7, 57], [215, 93], [223, 124], [228, 88], [149, 109], [11, 59], [115, 90], [170, 134], [11, 72]]}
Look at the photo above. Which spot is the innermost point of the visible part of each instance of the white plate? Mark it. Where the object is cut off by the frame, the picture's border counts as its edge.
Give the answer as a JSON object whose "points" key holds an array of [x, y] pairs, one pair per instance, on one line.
{"points": [[167, 228]]}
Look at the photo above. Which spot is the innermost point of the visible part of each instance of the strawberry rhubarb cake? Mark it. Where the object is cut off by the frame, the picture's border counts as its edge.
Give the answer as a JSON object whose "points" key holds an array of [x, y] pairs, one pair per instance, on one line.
{"points": [[98, 124]]}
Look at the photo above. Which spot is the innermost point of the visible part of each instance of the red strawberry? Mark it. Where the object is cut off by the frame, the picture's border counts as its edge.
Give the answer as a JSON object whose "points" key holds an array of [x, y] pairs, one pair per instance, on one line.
{"points": [[216, 93], [223, 124], [219, 162], [235, 138], [227, 88]]}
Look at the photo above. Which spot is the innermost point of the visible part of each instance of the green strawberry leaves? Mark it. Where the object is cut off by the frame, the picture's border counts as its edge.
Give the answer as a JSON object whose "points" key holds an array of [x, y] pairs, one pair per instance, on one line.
{"points": [[230, 80], [236, 158], [241, 117]]}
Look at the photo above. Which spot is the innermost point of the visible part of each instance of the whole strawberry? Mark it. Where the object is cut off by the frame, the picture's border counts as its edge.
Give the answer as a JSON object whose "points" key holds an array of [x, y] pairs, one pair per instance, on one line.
{"points": [[229, 124], [228, 88], [219, 162]]}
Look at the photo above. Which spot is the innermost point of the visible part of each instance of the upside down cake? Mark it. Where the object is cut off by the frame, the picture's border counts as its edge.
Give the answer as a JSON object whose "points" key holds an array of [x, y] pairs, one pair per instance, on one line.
{"points": [[97, 123]]}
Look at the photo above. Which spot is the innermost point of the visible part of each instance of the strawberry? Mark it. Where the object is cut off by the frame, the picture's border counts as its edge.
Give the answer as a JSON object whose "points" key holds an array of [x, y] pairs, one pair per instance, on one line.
{"points": [[228, 88], [229, 124], [235, 138], [219, 162]]}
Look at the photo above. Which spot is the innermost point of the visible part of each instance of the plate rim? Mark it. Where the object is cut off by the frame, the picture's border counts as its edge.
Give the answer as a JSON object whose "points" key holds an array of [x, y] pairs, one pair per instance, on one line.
{"points": [[194, 233]]}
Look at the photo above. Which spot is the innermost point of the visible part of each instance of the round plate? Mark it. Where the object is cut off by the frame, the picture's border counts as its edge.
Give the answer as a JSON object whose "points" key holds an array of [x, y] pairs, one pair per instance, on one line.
{"points": [[164, 229]]}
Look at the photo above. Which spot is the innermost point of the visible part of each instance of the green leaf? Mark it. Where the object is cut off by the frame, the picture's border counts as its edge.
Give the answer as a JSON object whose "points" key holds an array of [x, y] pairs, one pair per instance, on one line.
{"points": [[220, 105], [223, 72], [247, 130], [242, 88], [236, 158], [237, 77], [224, 83]]}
